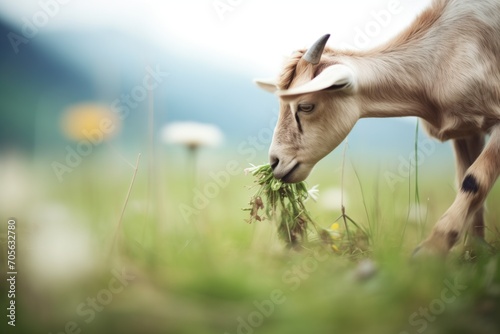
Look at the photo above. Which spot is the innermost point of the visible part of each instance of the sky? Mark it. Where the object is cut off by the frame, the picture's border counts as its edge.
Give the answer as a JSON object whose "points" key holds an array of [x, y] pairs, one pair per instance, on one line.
{"points": [[254, 34]]}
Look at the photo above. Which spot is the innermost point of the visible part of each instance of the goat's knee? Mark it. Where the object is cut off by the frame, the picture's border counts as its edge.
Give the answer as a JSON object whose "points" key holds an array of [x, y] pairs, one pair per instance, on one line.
{"points": [[466, 212]]}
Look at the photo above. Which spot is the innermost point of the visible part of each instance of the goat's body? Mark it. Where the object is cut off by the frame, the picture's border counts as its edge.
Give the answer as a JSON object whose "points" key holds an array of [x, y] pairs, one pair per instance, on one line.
{"points": [[466, 87], [444, 68]]}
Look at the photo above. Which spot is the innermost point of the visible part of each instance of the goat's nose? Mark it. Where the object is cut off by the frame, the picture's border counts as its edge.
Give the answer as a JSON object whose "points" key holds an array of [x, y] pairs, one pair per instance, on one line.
{"points": [[274, 161]]}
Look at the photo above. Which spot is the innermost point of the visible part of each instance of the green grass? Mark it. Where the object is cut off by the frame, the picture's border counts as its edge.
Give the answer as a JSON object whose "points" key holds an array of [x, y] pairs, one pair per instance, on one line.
{"points": [[205, 272]]}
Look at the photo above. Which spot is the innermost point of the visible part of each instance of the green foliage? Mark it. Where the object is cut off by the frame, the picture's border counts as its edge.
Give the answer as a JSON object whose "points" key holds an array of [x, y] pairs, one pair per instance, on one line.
{"points": [[281, 202], [206, 275]]}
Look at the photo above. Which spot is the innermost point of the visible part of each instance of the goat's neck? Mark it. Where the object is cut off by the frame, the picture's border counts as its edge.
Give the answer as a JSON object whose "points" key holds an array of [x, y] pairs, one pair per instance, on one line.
{"points": [[391, 85]]}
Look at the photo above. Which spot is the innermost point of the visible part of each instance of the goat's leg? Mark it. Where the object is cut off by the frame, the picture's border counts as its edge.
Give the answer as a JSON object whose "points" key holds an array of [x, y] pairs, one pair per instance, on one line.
{"points": [[478, 180], [467, 150]]}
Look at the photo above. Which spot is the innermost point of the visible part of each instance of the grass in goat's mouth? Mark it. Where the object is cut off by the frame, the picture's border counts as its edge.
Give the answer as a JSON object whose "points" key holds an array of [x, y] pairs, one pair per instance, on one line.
{"points": [[284, 203]]}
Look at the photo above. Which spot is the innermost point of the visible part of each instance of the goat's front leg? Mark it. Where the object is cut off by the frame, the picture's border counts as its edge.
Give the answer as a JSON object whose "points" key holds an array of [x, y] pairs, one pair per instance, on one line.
{"points": [[478, 180], [467, 150]]}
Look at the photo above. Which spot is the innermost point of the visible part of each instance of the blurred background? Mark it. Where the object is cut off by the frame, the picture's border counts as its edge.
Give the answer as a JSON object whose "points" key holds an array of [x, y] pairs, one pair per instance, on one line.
{"points": [[58, 54], [125, 129]]}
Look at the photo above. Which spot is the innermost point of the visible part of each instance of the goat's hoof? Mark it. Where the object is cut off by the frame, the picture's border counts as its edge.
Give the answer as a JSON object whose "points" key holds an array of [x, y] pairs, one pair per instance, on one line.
{"points": [[430, 249]]}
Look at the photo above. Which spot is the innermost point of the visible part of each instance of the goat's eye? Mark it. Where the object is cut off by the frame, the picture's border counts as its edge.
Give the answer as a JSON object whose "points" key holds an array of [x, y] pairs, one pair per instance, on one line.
{"points": [[306, 107]]}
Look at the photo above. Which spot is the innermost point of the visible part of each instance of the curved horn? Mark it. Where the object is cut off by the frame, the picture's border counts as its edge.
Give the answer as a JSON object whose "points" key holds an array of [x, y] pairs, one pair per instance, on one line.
{"points": [[313, 54]]}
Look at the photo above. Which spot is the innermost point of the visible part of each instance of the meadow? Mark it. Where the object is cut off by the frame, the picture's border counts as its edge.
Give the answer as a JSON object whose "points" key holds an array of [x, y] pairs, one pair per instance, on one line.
{"points": [[114, 249], [117, 231]]}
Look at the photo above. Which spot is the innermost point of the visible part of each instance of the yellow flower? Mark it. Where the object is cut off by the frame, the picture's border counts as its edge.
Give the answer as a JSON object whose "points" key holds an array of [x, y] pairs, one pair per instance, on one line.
{"points": [[89, 121], [335, 231]]}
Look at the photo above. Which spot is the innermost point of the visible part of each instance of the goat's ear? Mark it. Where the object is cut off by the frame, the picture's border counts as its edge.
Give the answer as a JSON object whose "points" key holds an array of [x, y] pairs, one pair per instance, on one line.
{"points": [[338, 76], [269, 85]]}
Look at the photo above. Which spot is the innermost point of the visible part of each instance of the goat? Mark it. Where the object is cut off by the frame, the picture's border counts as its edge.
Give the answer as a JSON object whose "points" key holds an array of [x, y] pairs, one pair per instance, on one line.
{"points": [[444, 68]]}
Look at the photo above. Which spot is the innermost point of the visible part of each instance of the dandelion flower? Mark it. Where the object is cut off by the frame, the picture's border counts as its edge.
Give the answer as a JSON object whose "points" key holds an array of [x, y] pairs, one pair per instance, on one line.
{"points": [[89, 120], [192, 134]]}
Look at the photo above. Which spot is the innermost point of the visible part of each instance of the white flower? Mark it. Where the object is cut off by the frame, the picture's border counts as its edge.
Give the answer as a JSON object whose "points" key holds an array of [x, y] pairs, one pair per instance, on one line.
{"points": [[313, 193], [192, 134]]}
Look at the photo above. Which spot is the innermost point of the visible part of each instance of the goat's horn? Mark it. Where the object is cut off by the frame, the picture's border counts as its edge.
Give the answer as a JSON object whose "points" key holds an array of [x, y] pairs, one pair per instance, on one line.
{"points": [[313, 54]]}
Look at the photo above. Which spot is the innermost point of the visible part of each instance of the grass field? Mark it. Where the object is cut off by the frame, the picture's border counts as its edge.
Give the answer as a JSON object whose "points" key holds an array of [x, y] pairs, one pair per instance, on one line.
{"points": [[171, 265]]}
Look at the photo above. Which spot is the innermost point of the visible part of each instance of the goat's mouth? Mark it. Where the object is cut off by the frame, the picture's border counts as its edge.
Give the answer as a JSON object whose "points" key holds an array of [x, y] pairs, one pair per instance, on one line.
{"points": [[293, 173], [289, 169], [289, 177]]}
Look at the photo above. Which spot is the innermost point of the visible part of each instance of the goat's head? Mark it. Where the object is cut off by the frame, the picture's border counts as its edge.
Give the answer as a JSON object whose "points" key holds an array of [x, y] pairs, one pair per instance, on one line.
{"points": [[318, 108]]}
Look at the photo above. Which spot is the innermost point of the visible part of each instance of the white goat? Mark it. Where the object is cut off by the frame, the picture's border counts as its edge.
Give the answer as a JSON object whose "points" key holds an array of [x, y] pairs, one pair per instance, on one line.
{"points": [[444, 68]]}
